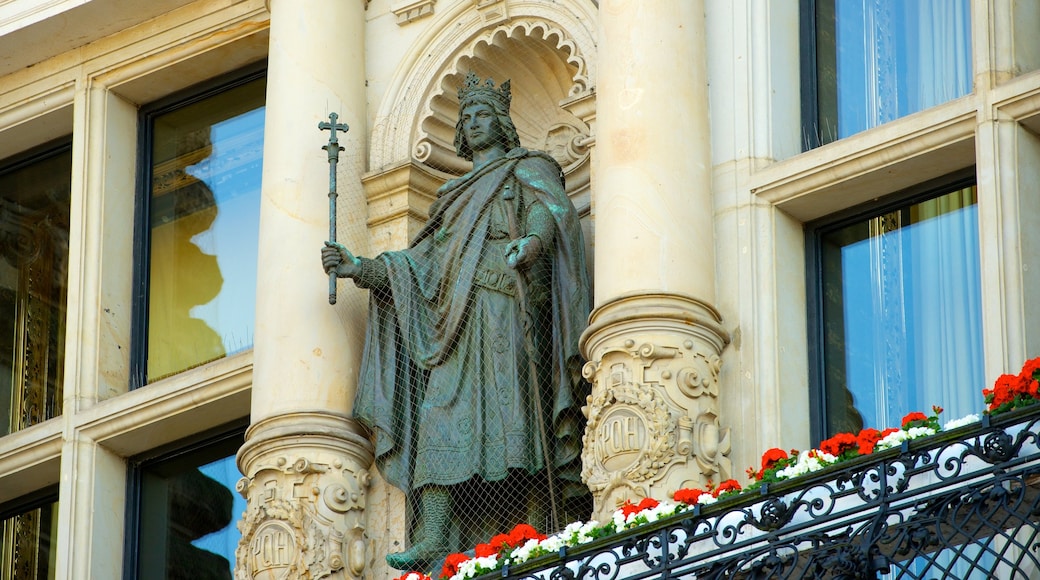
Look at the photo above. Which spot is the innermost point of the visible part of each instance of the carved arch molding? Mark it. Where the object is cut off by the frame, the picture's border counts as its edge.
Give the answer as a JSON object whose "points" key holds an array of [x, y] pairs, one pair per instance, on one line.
{"points": [[546, 49]]}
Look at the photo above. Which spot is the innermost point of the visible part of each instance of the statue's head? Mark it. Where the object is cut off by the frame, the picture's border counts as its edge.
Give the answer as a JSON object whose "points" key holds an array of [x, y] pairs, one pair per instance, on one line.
{"points": [[474, 92]]}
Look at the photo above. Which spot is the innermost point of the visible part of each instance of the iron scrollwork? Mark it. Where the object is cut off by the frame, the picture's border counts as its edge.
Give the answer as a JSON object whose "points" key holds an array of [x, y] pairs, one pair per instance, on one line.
{"points": [[937, 507]]}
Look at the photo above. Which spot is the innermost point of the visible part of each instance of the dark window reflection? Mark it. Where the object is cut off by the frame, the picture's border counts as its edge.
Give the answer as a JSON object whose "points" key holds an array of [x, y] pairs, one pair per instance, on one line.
{"points": [[204, 220], [27, 542], [34, 254], [189, 512]]}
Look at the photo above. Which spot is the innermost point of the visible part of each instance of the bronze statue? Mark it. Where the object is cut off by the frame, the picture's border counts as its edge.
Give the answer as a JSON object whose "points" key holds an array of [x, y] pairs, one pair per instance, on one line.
{"points": [[470, 374]]}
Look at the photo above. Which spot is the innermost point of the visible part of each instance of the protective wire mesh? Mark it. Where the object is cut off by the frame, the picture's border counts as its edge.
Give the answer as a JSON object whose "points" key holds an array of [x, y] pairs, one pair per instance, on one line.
{"points": [[470, 380]]}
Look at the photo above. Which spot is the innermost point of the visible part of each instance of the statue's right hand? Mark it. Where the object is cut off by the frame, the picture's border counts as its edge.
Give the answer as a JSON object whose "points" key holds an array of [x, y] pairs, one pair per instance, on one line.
{"points": [[337, 258]]}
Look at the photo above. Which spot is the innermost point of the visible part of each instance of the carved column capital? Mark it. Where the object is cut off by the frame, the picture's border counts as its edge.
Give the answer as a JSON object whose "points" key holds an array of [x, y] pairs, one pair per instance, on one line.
{"points": [[653, 426], [306, 480]]}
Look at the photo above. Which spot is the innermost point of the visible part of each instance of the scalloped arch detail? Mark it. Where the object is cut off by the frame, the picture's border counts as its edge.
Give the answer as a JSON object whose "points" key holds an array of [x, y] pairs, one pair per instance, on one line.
{"points": [[546, 49]]}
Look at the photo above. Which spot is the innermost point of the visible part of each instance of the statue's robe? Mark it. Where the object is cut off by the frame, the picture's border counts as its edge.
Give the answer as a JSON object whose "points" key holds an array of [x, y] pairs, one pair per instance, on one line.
{"points": [[445, 377]]}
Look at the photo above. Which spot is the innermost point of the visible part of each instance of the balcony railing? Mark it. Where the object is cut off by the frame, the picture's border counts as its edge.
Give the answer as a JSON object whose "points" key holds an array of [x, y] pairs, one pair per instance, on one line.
{"points": [[961, 504]]}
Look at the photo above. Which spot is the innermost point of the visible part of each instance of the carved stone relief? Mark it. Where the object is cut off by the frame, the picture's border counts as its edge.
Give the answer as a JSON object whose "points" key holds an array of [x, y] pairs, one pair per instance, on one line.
{"points": [[653, 423], [304, 519]]}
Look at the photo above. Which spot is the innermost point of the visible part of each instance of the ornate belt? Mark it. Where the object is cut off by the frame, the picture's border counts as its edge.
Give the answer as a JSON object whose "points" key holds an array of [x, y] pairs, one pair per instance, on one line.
{"points": [[497, 281]]}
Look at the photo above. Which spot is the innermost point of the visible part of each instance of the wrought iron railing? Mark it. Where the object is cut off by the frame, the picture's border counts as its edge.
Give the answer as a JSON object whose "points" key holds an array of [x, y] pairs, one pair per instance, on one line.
{"points": [[961, 504]]}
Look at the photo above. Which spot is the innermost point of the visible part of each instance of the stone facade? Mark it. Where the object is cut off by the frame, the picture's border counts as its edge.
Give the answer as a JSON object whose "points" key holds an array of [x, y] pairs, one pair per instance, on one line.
{"points": [[677, 125]]}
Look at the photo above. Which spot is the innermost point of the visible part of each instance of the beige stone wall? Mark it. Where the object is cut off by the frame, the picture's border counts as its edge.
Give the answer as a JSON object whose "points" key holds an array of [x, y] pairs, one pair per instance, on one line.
{"points": [[94, 65]]}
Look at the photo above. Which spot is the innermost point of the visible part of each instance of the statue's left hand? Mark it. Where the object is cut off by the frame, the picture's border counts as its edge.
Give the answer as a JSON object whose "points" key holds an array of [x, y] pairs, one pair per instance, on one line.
{"points": [[521, 252]]}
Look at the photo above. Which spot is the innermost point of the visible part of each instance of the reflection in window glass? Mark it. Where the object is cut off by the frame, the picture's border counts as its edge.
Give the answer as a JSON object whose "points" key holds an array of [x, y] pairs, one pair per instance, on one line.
{"points": [[902, 314], [189, 513], [204, 216], [878, 60], [28, 541], [34, 255]]}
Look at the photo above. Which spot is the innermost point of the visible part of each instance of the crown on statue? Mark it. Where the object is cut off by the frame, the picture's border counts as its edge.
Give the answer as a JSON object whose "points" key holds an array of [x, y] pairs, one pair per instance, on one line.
{"points": [[473, 90]]}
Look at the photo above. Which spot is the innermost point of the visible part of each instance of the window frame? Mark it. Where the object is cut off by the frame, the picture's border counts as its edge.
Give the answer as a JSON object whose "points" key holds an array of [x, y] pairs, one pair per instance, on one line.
{"points": [[140, 293], [29, 502], [809, 81], [814, 232], [17, 162], [216, 437]]}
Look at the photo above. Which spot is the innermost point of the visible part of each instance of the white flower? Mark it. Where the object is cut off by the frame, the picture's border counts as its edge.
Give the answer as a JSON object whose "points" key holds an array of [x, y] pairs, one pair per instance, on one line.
{"points": [[661, 510], [706, 499], [619, 520], [585, 532], [554, 543], [471, 568], [893, 439], [523, 553], [955, 423], [808, 462], [915, 432]]}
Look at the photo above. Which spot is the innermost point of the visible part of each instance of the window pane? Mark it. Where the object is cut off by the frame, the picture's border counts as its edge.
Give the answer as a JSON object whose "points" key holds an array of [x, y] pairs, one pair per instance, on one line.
{"points": [[205, 209], [27, 550], [34, 254], [902, 314], [189, 511], [878, 60]]}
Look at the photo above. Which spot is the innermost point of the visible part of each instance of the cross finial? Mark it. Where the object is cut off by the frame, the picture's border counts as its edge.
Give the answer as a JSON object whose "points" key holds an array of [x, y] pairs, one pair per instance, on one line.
{"points": [[333, 147]]}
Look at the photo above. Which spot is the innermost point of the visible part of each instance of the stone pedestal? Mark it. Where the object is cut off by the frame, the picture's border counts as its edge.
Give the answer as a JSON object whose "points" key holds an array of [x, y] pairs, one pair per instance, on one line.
{"points": [[307, 496], [653, 415]]}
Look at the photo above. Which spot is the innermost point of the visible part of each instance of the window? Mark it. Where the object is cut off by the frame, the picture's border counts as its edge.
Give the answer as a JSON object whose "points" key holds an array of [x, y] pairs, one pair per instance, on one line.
{"points": [[34, 254], [199, 221], [867, 62], [28, 535], [898, 322], [184, 520]]}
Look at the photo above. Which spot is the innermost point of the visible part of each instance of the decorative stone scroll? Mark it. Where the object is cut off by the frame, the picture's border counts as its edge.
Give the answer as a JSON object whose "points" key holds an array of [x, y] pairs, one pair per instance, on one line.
{"points": [[305, 512]]}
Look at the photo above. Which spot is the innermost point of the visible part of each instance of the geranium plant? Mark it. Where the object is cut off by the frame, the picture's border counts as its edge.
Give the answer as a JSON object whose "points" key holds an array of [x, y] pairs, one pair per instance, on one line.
{"points": [[1014, 391]]}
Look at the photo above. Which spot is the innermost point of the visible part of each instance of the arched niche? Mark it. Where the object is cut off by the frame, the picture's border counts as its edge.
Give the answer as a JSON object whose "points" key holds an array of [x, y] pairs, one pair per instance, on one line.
{"points": [[546, 50]]}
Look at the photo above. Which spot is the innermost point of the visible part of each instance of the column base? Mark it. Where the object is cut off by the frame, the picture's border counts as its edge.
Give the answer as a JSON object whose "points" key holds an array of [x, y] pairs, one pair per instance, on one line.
{"points": [[653, 423], [306, 477]]}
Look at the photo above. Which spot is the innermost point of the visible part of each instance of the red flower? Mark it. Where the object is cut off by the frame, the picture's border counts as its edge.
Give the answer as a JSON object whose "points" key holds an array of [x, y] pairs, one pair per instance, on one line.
{"points": [[451, 564], [771, 457], [1030, 369], [688, 496], [915, 416], [839, 444], [726, 486], [485, 550], [628, 508], [498, 541], [888, 432], [1004, 390], [521, 533], [412, 574], [867, 439]]}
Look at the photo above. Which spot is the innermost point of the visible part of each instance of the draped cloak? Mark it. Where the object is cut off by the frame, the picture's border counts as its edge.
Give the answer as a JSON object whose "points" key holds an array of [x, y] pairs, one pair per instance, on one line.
{"points": [[444, 382]]}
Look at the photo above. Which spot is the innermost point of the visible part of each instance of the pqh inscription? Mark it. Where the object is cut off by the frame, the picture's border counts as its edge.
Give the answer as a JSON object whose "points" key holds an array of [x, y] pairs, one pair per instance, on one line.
{"points": [[621, 438], [273, 551]]}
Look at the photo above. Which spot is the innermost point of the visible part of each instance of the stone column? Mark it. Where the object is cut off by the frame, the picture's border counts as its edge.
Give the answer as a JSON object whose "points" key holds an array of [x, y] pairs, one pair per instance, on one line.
{"points": [[305, 461], [655, 338]]}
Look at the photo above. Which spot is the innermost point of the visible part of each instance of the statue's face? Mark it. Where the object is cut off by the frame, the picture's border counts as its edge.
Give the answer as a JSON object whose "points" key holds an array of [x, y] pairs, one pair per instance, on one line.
{"points": [[480, 127]]}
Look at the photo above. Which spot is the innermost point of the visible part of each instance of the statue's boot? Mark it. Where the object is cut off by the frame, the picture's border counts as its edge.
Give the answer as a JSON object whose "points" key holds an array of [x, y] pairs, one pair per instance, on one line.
{"points": [[435, 503]]}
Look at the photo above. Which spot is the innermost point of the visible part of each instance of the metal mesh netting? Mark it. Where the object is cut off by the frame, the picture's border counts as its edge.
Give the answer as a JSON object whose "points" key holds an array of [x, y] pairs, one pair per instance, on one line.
{"points": [[471, 377]]}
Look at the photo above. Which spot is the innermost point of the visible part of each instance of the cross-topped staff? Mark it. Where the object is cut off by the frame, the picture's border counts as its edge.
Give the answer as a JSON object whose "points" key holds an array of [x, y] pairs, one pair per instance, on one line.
{"points": [[333, 149]]}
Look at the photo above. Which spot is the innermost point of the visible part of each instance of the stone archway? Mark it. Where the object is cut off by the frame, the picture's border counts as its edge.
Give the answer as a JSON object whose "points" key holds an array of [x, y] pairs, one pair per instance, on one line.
{"points": [[546, 49]]}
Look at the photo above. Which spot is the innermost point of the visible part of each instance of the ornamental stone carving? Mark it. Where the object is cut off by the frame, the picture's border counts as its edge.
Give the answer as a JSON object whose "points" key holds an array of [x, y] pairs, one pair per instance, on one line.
{"points": [[653, 424], [306, 497]]}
